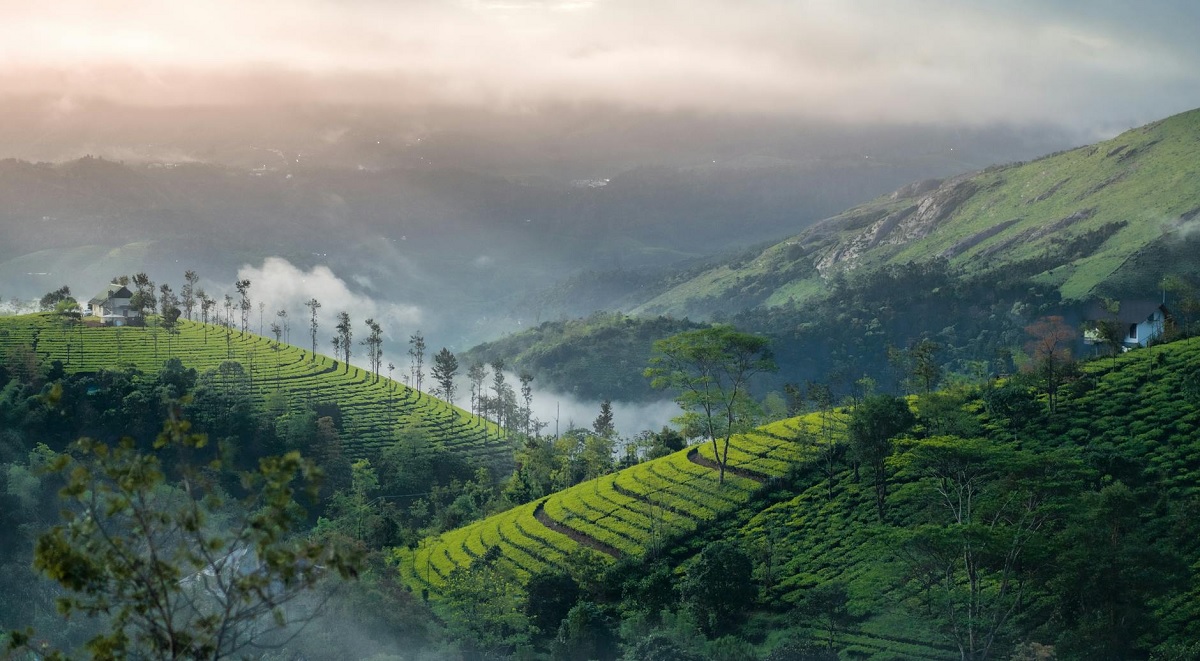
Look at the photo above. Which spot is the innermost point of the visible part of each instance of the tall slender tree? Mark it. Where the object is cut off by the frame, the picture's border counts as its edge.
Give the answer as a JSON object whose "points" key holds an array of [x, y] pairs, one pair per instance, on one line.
{"points": [[527, 397], [282, 315], [313, 305], [498, 389], [346, 335], [476, 373], [416, 350], [243, 290], [189, 293], [445, 366], [374, 345], [603, 424]]}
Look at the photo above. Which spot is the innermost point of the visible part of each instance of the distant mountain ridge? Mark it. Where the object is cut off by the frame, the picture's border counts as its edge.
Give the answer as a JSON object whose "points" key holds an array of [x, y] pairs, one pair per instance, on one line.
{"points": [[1105, 218]]}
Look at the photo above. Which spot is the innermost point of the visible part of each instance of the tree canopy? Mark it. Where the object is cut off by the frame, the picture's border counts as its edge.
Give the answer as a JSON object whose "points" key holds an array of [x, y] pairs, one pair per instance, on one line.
{"points": [[711, 368]]}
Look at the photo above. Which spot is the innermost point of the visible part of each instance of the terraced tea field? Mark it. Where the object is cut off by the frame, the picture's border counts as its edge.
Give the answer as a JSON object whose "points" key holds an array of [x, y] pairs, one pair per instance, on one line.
{"points": [[371, 409], [627, 513]]}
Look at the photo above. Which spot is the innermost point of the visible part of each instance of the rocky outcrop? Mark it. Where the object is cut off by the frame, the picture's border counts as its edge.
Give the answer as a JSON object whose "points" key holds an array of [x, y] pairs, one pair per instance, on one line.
{"points": [[900, 227]]}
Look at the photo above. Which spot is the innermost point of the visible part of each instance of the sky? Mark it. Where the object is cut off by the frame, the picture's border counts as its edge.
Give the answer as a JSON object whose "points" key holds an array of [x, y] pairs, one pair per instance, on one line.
{"points": [[1102, 65]]}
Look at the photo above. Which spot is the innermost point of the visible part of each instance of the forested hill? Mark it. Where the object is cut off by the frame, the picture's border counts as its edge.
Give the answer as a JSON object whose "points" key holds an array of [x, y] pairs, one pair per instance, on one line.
{"points": [[1110, 218]]}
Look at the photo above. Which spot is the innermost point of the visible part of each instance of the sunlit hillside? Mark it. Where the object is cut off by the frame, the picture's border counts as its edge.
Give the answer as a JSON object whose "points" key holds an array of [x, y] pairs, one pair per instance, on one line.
{"points": [[370, 408]]}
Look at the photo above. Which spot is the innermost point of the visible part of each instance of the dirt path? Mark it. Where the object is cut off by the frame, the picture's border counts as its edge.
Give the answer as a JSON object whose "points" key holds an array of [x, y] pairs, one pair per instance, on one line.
{"points": [[583, 539], [695, 457]]}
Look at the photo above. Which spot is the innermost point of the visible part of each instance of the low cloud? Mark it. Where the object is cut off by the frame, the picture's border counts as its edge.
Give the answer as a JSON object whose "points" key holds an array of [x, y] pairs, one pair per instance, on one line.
{"points": [[864, 61], [282, 285], [628, 417]]}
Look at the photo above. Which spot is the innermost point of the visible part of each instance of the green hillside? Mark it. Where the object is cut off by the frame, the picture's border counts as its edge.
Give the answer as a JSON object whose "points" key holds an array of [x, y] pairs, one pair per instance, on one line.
{"points": [[1079, 524], [621, 515], [1110, 217], [370, 410]]}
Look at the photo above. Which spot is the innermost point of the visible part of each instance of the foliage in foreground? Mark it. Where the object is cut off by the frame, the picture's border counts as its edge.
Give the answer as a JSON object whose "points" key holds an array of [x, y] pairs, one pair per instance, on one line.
{"points": [[175, 567]]}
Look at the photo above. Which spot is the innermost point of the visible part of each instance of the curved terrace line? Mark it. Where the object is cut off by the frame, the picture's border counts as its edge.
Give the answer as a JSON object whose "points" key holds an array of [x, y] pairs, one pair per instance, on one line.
{"points": [[695, 457], [581, 538]]}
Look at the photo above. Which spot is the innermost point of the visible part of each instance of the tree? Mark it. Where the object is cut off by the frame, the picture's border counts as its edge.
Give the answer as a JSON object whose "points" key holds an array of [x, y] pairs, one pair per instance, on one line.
{"points": [[1050, 353], [1109, 571], [551, 595], [243, 290], [826, 604], [51, 299], [487, 610], [476, 373], [282, 316], [719, 587], [988, 507], [711, 369], [313, 305], [189, 293], [344, 335], [499, 387], [527, 421], [149, 554], [603, 424], [206, 306], [827, 438], [873, 425], [586, 632], [167, 298], [925, 369], [1187, 301], [374, 345], [143, 299], [170, 323], [416, 350], [445, 366], [70, 318]]}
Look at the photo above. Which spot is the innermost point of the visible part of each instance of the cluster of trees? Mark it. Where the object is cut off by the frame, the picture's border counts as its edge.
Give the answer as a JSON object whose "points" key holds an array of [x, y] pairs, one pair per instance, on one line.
{"points": [[162, 308]]}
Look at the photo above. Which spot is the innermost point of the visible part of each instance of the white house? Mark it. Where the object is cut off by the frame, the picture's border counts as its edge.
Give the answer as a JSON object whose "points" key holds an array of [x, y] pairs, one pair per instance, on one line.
{"points": [[112, 305], [1142, 321]]}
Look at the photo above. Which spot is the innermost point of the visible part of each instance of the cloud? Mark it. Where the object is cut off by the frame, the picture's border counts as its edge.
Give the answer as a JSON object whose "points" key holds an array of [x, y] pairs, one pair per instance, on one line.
{"points": [[281, 285], [855, 61]]}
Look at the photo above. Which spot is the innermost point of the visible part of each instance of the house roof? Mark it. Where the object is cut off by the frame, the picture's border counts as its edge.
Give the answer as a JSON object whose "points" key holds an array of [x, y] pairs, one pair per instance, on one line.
{"points": [[114, 290], [1130, 312]]}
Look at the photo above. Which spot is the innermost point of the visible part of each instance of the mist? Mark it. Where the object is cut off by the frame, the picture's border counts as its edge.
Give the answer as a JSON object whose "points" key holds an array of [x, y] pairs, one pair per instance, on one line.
{"points": [[569, 411]]}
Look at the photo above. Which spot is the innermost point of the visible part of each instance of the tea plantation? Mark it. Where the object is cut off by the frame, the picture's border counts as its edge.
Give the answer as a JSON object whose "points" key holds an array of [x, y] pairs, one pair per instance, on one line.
{"points": [[623, 514], [371, 409]]}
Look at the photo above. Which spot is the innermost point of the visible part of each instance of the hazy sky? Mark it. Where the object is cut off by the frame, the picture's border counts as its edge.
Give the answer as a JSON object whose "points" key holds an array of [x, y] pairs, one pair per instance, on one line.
{"points": [[1099, 64]]}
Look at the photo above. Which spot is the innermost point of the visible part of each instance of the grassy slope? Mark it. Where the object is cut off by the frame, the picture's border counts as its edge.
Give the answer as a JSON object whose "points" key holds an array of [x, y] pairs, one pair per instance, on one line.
{"points": [[371, 409], [630, 511], [1147, 179]]}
